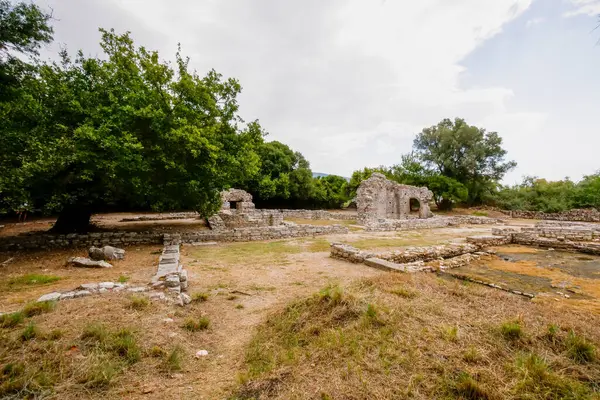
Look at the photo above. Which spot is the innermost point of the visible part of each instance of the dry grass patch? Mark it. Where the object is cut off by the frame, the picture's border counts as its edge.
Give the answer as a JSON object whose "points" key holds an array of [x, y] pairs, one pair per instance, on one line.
{"points": [[366, 341]]}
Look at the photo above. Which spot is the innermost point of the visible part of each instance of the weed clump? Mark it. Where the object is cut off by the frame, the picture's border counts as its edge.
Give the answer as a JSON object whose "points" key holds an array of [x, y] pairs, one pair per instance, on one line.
{"points": [[138, 302], [579, 349], [199, 297], [39, 307], [332, 295], [174, 360], [31, 331], [511, 331], [11, 320], [195, 325], [468, 388]]}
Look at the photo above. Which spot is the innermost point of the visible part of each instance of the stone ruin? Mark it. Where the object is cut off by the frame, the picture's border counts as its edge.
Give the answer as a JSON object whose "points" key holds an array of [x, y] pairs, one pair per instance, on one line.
{"points": [[379, 199], [238, 211]]}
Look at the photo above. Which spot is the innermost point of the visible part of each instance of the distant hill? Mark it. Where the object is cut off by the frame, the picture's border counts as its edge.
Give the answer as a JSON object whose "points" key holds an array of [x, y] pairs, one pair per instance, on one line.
{"points": [[322, 175]]}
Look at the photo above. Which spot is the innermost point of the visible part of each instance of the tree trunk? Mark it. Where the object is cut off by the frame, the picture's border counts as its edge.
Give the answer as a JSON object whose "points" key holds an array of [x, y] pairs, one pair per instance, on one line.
{"points": [[73, 219]]}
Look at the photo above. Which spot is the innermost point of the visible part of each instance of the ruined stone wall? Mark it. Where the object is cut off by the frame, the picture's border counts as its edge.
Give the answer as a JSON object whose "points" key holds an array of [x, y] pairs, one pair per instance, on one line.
{"points": [[252, 234], [378, 198], [428, 253], [122, 239], [254, 218], [430, 223], [319, 214], [242, 199], [584, 215]]}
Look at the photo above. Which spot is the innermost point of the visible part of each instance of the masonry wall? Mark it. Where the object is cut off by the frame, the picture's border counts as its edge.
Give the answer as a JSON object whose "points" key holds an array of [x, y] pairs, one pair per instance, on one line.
{"points": [[430, 223], [584, 215], [319, 215], [120, 239]]}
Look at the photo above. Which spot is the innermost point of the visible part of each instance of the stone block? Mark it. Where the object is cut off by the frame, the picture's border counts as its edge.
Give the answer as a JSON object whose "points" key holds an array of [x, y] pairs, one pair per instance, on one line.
{"points": [[54, 296]]}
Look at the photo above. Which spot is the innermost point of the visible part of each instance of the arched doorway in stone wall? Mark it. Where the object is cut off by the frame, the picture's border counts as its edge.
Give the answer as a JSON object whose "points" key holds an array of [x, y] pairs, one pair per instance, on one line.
{"points": [[414, 206]]}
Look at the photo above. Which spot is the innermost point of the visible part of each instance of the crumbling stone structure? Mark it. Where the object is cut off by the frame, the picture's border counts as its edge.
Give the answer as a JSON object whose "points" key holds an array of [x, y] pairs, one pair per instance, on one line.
{"points": [[379, 199], [238, 211]]}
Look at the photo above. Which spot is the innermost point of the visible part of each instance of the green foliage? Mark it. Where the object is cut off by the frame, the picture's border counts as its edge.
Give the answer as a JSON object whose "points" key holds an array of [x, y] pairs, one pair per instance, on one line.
{"points": [[465, 153], [123, 129], [23, 28], [362, 175], [535, 194]]}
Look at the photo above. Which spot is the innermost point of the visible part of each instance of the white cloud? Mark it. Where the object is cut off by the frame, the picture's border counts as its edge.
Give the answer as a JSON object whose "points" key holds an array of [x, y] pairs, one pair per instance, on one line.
{"points": [[347, 83], [534, 21], [587, 7]]}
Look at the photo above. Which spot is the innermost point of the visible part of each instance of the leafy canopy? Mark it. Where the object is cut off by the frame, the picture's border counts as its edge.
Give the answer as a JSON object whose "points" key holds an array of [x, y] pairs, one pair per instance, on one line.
{"points": [[465, 153]]}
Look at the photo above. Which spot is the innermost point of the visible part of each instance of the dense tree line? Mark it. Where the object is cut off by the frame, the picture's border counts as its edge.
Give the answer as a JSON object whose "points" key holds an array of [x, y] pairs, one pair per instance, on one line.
{"points": [[458, 162], [535, 194], [128, 129]]}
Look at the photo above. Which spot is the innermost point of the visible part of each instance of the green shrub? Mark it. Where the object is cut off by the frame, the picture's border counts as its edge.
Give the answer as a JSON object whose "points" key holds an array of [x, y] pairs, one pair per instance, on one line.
{"points": [[125, 345], [331, 294], [123, 279]]}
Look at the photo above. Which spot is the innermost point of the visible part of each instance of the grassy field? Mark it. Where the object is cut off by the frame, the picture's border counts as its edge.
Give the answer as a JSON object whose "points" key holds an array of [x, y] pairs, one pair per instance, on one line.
{"points": [[421, 337]]}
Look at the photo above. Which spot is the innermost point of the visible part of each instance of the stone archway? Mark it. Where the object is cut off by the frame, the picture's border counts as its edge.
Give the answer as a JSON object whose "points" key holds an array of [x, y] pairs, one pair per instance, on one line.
{"points": [[414, 206]]}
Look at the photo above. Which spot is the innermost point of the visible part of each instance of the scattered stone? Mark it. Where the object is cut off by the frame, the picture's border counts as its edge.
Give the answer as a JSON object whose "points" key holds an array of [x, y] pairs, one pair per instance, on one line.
{"points": [[172, 281], [184, 285], [168, 320], [138, 289], [54, 296], [92, 287], [82, 293], [183, 275], [67, 296], [176, 289], [81, 262], [106, 285], [106, 253], [201, 353], [202, 244], [102, 290], [157, 296], [5, 263], [185, 298], [158, 285]]}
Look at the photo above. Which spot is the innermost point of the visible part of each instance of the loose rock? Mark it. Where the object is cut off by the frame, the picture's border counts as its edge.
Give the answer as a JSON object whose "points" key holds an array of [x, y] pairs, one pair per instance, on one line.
{"points": [[81, 262]]}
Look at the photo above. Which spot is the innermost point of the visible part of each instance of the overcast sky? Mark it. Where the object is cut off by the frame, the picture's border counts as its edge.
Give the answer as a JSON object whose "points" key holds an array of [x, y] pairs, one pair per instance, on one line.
{"points": [[350, 82]]}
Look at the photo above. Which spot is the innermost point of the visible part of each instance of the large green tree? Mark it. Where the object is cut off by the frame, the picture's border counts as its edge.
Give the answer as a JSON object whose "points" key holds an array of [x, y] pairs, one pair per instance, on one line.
{"points": [[465, 153], [126, 128]]}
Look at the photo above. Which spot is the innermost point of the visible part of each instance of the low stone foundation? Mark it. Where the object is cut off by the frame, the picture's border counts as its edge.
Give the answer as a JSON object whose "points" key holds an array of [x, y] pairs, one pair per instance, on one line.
{"points": [[319, 215], [413, 259], [584, 215], [252, 234], [385, 225], [121, 239], [529, 237]]}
